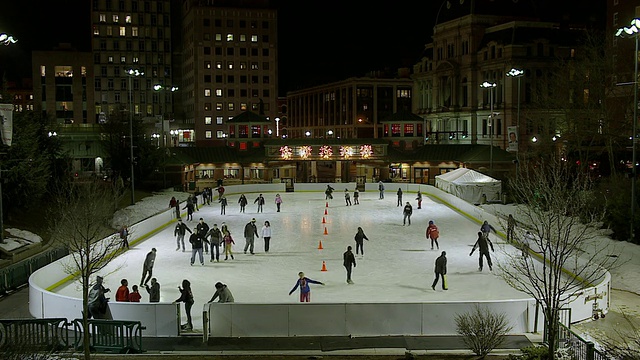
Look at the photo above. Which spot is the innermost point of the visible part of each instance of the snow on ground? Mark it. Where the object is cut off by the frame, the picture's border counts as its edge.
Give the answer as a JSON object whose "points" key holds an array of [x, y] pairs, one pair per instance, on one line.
{"points": [[18, 239]]}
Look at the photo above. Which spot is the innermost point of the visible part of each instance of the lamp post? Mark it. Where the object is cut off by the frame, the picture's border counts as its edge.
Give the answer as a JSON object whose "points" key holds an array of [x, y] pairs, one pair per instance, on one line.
{"points": [[517, 73], [277, 127], [632, 32], [131, 73], [490, 86], [160, 87]]}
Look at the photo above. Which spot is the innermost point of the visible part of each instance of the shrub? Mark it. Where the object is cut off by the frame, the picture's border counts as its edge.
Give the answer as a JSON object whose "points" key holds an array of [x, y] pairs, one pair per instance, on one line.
{"points": [[482, 330]]}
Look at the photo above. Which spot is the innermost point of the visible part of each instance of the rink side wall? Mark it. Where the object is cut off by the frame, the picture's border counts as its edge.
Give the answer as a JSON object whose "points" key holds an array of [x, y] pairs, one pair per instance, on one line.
{"points": [[295, 319]]}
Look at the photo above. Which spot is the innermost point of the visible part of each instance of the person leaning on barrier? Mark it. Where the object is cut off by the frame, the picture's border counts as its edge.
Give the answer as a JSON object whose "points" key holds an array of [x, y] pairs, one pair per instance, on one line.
{"points": [[223, 294]]}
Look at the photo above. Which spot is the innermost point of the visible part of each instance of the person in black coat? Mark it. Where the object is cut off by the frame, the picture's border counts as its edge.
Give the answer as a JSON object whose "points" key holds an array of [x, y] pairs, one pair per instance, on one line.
{"points": [[223, 205], [190, 209], [186, 296], [260, 201], [407, 211], [179, 231], [215, 236], [196, 248], [441, 270], [202, 229], [360, 238], [349, 260], [483, 243], [250, 233], [243, 202]]}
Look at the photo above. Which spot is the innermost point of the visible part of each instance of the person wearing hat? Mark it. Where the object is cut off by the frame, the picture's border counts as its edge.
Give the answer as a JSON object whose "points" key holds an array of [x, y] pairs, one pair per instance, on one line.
{"points": [[147, 268], [433, 234], [223, 294], [179, 231], [441, 270], [97, 302], [250, 233], [407, 211]]}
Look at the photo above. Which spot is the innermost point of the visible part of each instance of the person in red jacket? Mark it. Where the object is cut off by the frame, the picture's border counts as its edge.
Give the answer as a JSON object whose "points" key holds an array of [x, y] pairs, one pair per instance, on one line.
{"points": [[134, 295], [123, 291], [433, 234]]}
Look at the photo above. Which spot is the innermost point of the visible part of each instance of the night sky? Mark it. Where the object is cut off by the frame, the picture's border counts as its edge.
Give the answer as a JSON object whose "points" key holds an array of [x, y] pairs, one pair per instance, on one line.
{"points": [[319, 41]]}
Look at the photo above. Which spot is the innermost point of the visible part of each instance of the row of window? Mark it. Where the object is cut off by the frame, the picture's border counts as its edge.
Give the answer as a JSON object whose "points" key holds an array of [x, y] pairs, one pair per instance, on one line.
{"points": [[153, 19], [117, 71], [230, 23], [231, 107], [232, 51], [232, 92], [123, 84], [230, 37], [242, 64], [161, 46], [124, 31], [97, 59], [133, 5], [231, 79]]}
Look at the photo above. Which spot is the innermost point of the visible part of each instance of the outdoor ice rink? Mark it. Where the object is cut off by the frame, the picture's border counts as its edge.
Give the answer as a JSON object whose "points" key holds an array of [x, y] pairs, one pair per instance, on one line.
{"points": [[397, 266]]}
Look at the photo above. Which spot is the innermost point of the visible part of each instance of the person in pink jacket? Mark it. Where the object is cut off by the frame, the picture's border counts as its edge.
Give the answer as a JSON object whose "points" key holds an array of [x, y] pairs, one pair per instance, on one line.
{"points": [[278, 201]]}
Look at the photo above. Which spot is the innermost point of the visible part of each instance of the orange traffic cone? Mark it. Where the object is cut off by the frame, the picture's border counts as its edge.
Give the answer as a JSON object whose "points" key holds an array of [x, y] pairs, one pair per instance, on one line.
{"points": [[323, 220], [326, 204], [324, 266], [320, 245], [325, 231], [325, 211]]}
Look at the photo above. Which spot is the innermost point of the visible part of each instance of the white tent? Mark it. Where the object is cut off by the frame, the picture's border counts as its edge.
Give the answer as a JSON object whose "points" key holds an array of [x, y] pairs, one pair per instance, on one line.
{"points": [[470, 185]]}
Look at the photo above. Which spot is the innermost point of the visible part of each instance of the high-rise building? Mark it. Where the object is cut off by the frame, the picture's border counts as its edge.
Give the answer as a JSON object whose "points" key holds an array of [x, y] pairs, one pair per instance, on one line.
{"points": [[132, 35], [229, 58]]}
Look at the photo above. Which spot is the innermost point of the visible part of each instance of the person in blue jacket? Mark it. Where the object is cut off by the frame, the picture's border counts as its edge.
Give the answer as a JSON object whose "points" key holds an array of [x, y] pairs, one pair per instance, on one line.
{"points": [[305, 291]]}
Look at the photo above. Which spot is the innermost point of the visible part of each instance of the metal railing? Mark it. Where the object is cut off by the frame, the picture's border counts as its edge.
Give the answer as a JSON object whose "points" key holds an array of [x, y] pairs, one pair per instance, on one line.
{"points": [[579, 348], [17, 275], [115, 336], [34, 334]]}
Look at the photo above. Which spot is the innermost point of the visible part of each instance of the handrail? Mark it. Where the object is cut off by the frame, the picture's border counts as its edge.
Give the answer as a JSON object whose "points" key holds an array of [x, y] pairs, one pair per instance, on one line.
{"points": [[43, 334]]}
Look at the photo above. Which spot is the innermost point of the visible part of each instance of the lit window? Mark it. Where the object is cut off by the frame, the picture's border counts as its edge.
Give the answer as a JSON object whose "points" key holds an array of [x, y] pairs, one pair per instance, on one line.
{"points": [[207, 64], [218, 37], [110, 59], [123, 32], [207, 134], [254, 38], [218, 120], [230, 106], [207, 120], [243, 65], [207, 92], [403, 93], [243, 38], [123, 59], [109, 31], [243, 106], [254, 66], [229, 37], [134, 31], [127, 19], [103, 18], [115, 18], [230, 65], [218, 64], [219, 134], [219, 92], [136, 59], [96, 31], [219, 106]]}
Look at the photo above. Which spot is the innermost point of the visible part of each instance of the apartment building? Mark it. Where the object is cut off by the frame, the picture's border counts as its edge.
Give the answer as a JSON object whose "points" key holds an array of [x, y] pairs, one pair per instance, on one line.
{"points": [[228, 65]]}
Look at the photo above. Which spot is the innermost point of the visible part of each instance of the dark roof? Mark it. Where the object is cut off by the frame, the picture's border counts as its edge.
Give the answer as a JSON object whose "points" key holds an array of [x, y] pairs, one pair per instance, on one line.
{"points": [[450, 10], [249, 117], [527, 35], [402, 115]]}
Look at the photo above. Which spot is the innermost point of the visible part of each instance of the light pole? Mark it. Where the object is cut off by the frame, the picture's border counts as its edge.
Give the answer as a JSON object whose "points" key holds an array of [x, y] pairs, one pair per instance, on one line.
{"points": [[159, 87], [626, 32], [517, 73], [132, 73], [277, 127], [490, 86]]}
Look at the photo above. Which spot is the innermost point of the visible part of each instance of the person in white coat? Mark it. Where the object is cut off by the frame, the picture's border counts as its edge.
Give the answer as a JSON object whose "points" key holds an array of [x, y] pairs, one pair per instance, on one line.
{"points": [[266, 235]]}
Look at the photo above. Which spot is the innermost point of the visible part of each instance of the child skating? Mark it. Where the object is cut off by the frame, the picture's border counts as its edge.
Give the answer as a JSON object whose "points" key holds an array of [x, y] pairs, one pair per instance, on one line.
{"points": [[303, 283]]}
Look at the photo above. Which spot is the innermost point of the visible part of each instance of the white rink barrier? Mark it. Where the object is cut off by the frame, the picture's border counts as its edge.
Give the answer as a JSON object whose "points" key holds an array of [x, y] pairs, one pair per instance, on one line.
{"points": [[247, 319], [355, 319]]}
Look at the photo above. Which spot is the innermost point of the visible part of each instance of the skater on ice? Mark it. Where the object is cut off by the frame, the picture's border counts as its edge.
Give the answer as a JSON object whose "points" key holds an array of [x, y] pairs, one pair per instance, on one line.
{"points": [[433, 234], [278, 202], [419, 198], [348, 260], [243, 202], [356, 197], [441, 271], [186, 296], [347, 197], [303, 283], [407, 211], [260, 201], [250, 233], [147, 267], [179, 231], [328, 193], [360, 238], [399, 193], [482, 244]]}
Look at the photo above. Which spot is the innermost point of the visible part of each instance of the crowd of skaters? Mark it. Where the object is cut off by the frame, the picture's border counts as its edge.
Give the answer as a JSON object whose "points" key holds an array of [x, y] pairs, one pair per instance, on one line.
{"points": [[204, 236]]}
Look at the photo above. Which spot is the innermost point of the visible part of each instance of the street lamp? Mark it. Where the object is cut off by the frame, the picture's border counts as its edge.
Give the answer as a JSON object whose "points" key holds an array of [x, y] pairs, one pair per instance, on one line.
{"points": [[517, 73], [277, 127], [131, 73], [490, 86], [6, 39], [632, 32], [307, 133], [160, 87]]}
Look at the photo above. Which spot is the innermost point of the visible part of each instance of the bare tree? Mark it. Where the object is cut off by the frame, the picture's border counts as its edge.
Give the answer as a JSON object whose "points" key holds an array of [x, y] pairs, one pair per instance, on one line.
{"points": [[81, 223], [563, 254], [626, 343]]}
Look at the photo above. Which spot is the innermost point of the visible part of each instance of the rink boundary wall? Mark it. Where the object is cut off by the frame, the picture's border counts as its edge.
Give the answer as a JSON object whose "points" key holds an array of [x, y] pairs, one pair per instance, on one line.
{"points": [[246, 319]]}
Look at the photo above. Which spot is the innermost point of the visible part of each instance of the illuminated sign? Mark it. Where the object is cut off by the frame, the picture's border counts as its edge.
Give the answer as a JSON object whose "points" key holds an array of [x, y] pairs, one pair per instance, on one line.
{"points": [[366, 151], [325, 151], [346, 151], [286, 152], [305, 151]]}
